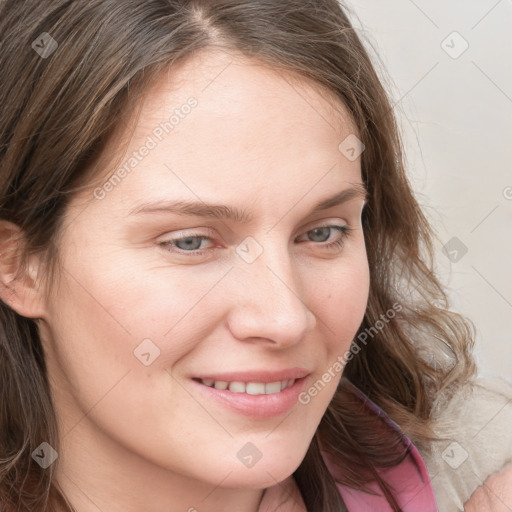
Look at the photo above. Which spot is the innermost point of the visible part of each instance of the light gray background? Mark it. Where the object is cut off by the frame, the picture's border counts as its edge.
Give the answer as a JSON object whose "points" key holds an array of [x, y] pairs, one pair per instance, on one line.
{"points": [[456, 118]]}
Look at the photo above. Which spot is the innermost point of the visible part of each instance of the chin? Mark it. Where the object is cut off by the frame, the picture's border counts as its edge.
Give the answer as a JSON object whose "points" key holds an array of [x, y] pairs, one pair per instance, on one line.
{"points": [[262, 475]]}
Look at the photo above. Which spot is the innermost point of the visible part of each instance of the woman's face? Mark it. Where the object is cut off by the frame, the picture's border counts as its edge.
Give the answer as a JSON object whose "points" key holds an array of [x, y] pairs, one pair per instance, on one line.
{"points": [[152, 298]]}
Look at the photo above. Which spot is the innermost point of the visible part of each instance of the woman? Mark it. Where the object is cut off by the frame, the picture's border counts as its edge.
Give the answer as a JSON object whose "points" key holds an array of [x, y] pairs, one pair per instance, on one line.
{"points": [[217, 286]]}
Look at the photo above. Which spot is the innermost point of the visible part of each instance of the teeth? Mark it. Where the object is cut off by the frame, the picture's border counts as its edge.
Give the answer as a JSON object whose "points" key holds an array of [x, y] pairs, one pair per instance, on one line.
{"points": [[251, 388], [270, 387], [237, 387]]}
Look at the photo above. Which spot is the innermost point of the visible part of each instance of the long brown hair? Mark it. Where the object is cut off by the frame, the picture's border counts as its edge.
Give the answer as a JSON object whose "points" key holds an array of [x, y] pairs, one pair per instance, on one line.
{"points": [[56, 113]]}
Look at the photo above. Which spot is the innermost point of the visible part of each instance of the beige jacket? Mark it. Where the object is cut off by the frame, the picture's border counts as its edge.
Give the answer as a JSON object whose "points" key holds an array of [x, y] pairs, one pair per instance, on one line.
{"points": [[476, 427]]}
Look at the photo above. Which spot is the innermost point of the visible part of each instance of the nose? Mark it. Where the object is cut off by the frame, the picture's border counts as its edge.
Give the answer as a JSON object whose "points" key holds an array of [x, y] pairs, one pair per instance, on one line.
{"points": [[267, 301]]}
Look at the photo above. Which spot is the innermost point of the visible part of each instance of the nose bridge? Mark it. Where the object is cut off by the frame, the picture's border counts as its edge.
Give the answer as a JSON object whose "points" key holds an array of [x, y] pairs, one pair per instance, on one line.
{"points": [[268, 291]]}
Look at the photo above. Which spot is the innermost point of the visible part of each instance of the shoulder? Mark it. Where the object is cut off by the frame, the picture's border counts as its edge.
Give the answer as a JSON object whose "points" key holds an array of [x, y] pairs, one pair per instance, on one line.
{"points": [[474, 430]]}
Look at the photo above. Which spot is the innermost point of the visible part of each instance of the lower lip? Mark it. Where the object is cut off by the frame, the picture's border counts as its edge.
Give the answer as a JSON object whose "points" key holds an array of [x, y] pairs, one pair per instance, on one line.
{"points": [[256, 406]]}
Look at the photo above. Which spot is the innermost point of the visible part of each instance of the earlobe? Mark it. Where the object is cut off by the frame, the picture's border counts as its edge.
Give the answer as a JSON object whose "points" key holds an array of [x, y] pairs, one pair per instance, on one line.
{"points": [[18, 286]]}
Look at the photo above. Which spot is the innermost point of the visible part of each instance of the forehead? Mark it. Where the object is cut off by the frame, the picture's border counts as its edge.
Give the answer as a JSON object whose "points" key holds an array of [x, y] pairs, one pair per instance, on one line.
{"points": [[249, 121], [232, 79]]}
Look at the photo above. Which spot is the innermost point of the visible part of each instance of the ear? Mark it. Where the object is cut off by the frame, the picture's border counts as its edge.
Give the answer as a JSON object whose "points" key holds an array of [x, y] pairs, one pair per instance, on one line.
{"points": [[19, 286]]}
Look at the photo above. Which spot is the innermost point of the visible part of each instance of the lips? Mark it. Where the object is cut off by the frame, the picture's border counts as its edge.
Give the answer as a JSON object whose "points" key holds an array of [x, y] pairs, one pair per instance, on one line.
{"points": [[257, 406], [259, 393]]}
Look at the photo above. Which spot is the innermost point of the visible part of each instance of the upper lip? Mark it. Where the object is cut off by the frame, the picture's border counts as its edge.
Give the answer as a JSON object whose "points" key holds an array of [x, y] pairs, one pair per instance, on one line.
{"points": [[264, 376]]}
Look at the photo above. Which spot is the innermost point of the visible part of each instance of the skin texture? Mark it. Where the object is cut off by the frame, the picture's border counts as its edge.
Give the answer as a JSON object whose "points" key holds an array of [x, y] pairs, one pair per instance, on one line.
{"points": [[495, 495], [142, 438]]}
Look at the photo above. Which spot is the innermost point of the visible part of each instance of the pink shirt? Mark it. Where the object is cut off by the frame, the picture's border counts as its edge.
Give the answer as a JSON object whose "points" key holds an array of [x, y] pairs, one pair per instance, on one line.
{"points": [[409, 482]]}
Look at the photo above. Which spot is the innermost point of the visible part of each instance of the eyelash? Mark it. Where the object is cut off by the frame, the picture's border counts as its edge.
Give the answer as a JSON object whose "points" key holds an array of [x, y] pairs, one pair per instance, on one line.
{"points": [[344, 230]]}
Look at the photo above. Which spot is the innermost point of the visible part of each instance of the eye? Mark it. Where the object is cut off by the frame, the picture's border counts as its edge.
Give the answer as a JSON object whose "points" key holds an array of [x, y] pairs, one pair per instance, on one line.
{"points": [[189, 244], [323, 233]]}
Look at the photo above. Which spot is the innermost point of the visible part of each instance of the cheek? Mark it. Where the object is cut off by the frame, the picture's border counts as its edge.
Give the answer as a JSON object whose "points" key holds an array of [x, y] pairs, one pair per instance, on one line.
{"points": [[340, 298], [124, 301]]}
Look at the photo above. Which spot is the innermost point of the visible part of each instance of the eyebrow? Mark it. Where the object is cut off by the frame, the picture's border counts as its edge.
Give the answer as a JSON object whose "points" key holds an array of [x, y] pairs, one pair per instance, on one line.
{"points": [[220, 211]]}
